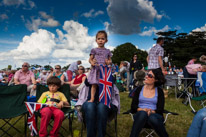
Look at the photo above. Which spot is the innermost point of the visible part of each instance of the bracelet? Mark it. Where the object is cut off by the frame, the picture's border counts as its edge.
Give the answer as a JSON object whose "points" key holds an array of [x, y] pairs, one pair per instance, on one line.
{"points": [[34, 84]]}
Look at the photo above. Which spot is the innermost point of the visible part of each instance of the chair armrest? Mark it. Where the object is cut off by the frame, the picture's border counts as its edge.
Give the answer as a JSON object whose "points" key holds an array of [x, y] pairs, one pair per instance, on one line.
{"points": [[169, 112]]}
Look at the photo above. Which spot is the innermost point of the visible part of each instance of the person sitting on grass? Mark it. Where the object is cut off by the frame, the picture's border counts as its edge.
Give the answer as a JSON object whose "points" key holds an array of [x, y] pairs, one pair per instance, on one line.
{"points": [[56, 100]]}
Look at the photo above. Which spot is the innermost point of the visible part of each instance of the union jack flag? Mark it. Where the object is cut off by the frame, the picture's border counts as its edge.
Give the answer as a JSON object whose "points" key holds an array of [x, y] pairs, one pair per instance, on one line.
{"points": [[105, 85], [32, 107]]}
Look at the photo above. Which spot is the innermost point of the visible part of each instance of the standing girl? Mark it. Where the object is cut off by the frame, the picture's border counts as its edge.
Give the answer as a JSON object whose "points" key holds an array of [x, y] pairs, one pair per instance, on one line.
{"points": [[99, 55]]}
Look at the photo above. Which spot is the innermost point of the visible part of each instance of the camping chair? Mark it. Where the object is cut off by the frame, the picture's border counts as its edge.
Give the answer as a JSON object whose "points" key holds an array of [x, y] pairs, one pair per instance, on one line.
{"points": [[147, 128], [68, 112], [12, 106], [202, 87]]}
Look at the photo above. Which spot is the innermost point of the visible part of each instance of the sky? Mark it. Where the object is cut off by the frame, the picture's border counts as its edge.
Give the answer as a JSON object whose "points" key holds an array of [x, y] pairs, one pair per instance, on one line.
{"points": [[63, 31]]}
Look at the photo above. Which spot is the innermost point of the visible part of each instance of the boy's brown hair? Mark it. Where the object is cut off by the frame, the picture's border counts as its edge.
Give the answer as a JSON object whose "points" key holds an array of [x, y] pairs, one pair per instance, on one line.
{"points": [[54, 80]]}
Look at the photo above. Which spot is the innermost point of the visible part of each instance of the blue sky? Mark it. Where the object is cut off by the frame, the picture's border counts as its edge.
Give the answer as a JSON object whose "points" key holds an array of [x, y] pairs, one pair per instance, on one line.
{"points": [[63, 31]]}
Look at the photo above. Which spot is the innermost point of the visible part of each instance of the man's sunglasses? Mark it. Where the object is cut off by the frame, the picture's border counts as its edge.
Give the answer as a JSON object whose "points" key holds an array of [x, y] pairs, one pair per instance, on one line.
{"points": [[24, 66], [57, 68]]}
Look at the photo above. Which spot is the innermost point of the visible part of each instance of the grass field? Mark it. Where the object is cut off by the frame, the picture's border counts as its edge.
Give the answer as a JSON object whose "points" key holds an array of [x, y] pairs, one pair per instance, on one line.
{"points": [[177, 126]]}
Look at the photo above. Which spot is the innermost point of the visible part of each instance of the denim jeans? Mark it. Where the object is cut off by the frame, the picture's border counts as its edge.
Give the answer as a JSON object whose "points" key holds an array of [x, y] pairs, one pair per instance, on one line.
{"points": [[156, 121], [96, 115], [198, 126]]}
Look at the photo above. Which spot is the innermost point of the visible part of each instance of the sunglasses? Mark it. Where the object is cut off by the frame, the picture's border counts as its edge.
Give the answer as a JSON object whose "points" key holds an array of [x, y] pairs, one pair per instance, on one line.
{"points": [[24, 66], [57, 68], [150, 75], [80, 69]]}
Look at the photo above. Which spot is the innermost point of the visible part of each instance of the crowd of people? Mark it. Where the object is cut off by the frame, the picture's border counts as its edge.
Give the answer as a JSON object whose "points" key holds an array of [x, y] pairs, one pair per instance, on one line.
{"points": [[148, 99]]}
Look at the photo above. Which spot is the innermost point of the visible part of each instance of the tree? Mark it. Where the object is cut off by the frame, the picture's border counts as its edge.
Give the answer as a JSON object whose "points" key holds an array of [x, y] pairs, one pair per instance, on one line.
{"points": [[9, 67], [125, 52], [182, 47]]}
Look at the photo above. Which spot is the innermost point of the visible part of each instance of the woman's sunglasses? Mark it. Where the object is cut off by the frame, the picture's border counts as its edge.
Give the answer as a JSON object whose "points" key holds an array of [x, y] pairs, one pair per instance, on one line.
{"points": [[150, 75]]}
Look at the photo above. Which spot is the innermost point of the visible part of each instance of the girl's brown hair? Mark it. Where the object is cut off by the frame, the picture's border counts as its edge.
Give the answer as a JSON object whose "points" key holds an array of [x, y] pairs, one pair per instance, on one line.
{"points": [[102, 32]]}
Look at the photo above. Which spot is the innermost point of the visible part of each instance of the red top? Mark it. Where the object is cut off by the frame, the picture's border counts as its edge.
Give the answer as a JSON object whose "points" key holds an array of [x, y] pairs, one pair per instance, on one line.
{"points": [[78, 80]]}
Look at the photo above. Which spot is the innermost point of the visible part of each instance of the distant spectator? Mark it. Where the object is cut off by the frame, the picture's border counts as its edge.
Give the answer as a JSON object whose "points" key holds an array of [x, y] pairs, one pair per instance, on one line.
{"points": [[124, 70], [116, 68], [25, 76], [57, 72], [73, 68], [192, 61], [180, 73], [135, 64], [43, 77], [77, 81], [36, 74]]}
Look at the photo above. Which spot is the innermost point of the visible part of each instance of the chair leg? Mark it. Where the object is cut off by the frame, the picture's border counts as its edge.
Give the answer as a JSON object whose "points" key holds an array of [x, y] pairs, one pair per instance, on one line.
{"points": [[115, 125], [70, 124], [82, 129], [25, 124]]}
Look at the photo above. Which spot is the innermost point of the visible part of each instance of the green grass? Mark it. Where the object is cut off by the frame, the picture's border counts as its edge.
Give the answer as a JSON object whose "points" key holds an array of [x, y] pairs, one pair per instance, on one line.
{"points": [[177, 126]]}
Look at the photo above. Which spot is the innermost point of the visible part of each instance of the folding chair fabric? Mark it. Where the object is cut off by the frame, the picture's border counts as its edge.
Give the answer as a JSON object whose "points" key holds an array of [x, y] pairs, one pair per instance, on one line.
{"points": [[151, 131], [12, 100]]}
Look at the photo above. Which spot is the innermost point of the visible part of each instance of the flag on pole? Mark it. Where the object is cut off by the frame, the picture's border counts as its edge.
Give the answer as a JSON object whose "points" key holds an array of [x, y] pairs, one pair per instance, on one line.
{"points": [[32, 107], [105, 85]]}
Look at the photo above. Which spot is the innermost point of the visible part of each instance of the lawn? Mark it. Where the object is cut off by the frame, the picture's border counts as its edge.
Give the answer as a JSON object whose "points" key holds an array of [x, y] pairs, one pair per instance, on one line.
{"points": [[177, 126]]}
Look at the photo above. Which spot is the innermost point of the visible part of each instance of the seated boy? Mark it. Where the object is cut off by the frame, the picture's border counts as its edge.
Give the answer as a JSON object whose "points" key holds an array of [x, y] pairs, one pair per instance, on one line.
{"points": [[56, 100]]}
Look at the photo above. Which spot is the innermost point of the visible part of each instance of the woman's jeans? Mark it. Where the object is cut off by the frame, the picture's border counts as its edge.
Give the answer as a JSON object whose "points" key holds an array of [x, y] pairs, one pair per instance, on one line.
{"points": [[96, 116], [198, 126], [156, 121]]}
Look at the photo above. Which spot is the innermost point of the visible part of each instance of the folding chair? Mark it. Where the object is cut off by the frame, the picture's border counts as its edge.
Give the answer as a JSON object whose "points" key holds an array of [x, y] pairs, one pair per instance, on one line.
{"points": [[68, 112], [12, 105], [147, 128], [202, 87]]}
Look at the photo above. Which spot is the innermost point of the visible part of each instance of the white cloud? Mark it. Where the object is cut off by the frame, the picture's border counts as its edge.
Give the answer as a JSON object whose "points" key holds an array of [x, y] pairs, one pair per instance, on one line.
{"points": [[153, 30], [3, 16], [50, 23], [203, 28], [42, 47], [109, 47], [31, 4], [177, 27], [44, 15], [13, 2], [8, 41], [44, 20], [92, 13], [126, 16]]}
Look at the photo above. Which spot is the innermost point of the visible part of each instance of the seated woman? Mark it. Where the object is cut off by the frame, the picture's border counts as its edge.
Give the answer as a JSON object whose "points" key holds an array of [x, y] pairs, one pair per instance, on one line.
{"points": [[148, 105], [97, 114], [77, 81], [57, 72], [198, 126]]}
